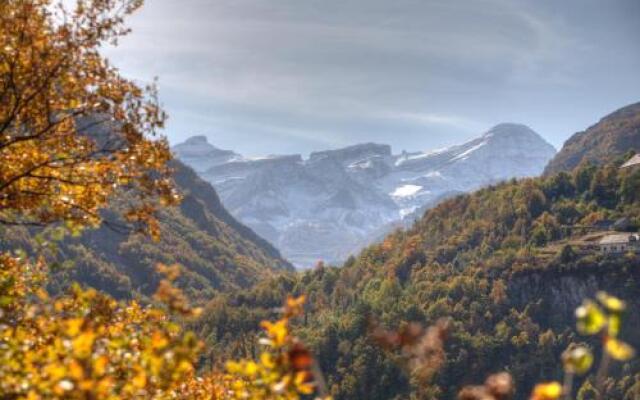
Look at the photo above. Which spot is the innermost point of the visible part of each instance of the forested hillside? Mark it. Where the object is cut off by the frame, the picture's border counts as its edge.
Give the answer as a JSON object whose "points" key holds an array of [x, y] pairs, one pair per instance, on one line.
{"points": [[612, 136], [217, 252], [508, 264]]}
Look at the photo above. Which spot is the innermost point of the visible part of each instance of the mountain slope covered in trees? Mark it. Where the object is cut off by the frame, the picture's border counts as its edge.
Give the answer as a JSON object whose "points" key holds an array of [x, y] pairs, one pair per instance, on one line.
{"points": [[613, 136], [508, 264], [217, 252]]}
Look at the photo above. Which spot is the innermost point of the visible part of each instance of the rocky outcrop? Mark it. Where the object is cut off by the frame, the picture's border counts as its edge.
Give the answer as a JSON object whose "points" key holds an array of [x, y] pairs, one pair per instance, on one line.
{"points": [[560, 289], [200, 155]]}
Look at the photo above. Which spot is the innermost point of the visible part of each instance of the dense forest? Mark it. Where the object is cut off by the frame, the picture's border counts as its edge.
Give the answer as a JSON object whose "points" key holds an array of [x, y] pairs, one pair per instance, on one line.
{"points": [[507, 264]]}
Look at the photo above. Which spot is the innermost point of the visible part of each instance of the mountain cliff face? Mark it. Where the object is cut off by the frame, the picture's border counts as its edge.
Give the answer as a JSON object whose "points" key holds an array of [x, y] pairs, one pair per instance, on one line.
{"points": [[327, 206], [613, 136]]}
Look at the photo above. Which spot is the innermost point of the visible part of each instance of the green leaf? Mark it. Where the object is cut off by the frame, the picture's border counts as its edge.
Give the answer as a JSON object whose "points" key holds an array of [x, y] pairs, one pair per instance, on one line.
{"points": [[610, 303]]}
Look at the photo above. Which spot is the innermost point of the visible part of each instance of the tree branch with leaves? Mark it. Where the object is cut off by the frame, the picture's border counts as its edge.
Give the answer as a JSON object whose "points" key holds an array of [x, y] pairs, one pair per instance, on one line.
{"points": [[73, 130]]}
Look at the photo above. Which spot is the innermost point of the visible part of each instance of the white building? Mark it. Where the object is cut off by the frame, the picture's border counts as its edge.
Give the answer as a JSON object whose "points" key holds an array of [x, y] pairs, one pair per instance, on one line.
{"points": [[620, 243], [632, 162]]}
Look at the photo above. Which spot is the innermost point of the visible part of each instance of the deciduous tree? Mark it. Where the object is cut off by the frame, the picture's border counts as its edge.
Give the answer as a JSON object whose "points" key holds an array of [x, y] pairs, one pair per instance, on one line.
{"points": [[72, 129]]}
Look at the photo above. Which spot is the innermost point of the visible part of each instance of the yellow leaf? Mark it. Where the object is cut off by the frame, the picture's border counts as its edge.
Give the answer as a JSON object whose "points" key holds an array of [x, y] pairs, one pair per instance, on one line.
{"points": [[184, 367], [104, 386], [86, 385], [611, 303], [303, 382], [140, 380], [267, 360], [277, 331], [547, 391], [250, 368], [42, 294], [73, 326], [158, 341], [294, 305], [83, 344], [55, 371], [100, 365], [614, 324], [75, 370], [619, 350], [233, 367], [591, 319], [577, 360]]}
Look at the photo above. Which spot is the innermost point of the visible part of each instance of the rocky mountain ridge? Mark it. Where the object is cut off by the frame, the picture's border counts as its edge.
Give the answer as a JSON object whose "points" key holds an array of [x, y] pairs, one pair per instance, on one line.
{"points": [[613, 136], [329, 205]]}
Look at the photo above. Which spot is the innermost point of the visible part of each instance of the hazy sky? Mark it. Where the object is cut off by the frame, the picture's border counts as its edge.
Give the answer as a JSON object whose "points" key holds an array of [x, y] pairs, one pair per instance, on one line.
{"points": [[288, 76]]}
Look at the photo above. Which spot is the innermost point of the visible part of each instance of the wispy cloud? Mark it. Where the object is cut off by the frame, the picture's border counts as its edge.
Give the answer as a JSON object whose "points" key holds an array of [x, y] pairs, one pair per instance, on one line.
{"points": [[264, 76], [454, 121]]}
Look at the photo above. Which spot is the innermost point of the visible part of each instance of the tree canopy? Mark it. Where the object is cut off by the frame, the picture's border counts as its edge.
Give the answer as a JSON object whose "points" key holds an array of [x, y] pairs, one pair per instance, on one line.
{"points": [[72, 129]]}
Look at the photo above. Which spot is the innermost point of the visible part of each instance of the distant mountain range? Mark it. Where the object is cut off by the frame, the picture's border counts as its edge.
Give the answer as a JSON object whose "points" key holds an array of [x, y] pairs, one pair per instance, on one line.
{"points": [[331, 204]]}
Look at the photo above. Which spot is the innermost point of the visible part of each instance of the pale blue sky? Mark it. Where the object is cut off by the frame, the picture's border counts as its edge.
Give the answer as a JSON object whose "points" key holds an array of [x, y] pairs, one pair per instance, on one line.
{"points": [[289, 76]]}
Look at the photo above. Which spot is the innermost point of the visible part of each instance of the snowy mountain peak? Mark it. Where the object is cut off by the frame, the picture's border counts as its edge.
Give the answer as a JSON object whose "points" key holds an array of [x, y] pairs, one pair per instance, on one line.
{"points": [[197, 140], [200, 155], [510, 129], [336, 201], [516, 133], [513, 139]]}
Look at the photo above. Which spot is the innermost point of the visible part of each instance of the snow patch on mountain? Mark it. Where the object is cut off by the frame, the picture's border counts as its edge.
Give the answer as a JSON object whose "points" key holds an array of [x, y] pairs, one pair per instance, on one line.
{"points": [[467, 153], [406, 191]]}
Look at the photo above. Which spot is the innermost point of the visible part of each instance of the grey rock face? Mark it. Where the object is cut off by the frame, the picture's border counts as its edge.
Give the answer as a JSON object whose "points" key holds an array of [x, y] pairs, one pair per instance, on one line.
{"points": [[200, 155], [331, 204]]}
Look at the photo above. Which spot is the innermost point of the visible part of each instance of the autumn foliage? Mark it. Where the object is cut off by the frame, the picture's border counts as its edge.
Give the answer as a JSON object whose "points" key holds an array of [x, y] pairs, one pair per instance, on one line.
{"points": [[74, 134], [84, 345], [72, 129], [285, 369]]}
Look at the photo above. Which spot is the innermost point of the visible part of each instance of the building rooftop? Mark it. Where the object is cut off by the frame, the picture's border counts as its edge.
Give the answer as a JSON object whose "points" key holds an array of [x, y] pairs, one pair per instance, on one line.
{"points": [[618, 239], [633, 161]]}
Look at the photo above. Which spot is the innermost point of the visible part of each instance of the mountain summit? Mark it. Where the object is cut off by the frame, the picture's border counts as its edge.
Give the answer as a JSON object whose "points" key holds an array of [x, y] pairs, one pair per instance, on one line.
{"points": [[331, 204], [199, 154]]}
